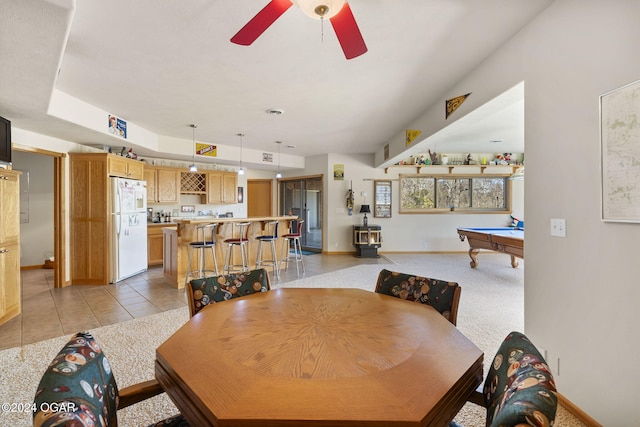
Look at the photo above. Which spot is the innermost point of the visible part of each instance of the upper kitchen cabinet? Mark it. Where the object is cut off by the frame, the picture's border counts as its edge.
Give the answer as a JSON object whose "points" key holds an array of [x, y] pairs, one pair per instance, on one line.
{"points": [[124, 168], [9, 245], [163, 184], [222, 187]]}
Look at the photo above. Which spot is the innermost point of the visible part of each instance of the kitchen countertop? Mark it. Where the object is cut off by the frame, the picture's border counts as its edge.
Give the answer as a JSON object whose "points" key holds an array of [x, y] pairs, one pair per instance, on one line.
{"points": [[201, 220]]}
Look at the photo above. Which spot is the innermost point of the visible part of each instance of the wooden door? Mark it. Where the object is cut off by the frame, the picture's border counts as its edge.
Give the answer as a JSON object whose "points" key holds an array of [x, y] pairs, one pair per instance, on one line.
{"points": [[259, 198]]}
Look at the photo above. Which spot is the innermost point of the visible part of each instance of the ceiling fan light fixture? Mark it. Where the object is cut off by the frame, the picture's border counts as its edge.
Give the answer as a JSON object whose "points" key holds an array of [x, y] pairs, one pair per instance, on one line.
{"points": [[320, 9]]}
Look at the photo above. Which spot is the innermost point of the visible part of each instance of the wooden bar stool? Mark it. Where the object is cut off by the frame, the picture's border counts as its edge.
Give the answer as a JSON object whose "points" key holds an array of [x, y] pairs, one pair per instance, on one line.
{"points": [[241, 242], [205, 239], [271, 237], [294, 236]]}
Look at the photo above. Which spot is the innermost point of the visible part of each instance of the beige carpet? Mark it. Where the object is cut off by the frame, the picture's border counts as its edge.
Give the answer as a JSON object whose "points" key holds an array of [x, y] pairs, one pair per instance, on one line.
{"points": [[491, 306]]}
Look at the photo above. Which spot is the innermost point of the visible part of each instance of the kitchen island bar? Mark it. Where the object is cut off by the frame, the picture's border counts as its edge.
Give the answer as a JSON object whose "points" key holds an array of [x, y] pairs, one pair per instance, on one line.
{"points": [[176, 243]]}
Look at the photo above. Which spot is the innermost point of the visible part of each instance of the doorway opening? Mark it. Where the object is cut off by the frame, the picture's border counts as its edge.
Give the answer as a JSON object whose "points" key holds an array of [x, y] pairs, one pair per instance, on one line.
{"points": [[58, 223], [303, 197]]}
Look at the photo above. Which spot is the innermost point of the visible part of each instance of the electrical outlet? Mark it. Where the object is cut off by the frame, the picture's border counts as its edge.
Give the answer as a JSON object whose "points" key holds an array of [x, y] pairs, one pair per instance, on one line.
{"points": [[559, 227]]}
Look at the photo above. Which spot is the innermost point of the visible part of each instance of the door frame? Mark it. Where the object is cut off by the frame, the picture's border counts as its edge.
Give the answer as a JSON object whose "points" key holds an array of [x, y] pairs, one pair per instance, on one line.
{"points": [[59, 211], [321, 201]]}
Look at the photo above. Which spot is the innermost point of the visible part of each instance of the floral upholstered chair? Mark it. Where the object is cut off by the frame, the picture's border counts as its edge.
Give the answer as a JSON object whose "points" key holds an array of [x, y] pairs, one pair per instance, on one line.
{"points": [[201, 292], [442, 295], [79, 389], [519, 389]]}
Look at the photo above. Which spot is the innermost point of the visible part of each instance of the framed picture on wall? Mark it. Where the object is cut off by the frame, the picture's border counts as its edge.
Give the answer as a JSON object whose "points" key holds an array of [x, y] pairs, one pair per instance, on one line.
{"points": [[240, 194], [620, 153], [382, 199]]}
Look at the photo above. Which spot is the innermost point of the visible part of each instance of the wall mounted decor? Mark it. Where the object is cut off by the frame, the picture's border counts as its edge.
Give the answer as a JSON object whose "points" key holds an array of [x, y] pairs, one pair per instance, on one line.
{"points": [[452, 104], [620, 148]]}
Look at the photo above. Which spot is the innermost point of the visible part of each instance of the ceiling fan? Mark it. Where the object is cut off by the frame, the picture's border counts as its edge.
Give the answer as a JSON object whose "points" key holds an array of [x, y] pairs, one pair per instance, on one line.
{"points": [[337, 11]]}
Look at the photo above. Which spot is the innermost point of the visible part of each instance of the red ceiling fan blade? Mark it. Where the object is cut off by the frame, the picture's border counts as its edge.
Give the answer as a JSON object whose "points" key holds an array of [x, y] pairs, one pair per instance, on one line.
{"points": [[259, 23], [348, 33]]}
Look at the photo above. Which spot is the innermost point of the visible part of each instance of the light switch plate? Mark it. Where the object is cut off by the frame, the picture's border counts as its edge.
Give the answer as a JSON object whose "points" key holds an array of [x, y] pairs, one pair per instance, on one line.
{"points": [[558, 227]]}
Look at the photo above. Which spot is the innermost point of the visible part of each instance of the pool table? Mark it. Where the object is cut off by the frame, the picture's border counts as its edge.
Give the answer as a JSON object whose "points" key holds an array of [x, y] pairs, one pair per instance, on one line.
{"points": [[506, 240]]}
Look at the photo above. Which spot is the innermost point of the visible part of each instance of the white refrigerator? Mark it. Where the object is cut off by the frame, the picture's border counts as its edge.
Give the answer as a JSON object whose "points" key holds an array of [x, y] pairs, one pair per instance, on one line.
{"points": [[129, 228]]}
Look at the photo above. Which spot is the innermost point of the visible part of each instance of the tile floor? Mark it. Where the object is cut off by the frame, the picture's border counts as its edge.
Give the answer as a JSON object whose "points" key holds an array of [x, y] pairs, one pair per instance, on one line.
{"points": [[48, 312]]}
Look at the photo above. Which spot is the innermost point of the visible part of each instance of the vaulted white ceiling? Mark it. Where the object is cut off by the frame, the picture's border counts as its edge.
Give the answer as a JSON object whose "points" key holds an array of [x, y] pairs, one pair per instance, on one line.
{"points": [[163, 64]]}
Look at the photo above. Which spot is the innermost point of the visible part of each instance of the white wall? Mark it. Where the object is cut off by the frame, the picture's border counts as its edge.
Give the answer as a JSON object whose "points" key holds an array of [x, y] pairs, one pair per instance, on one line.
{"points": [[36, 235], [401, 232], [581, 291]]}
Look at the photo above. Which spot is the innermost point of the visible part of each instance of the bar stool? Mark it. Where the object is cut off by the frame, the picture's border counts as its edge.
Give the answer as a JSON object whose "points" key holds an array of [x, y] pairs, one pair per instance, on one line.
{"points": [[205, 239], [270, 237], [294, 236], [240, 241]]}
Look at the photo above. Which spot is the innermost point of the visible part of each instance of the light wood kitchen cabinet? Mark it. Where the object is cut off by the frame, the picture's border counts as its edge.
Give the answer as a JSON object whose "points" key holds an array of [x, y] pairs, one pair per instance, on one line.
{"points": [[89, 215], [170, 257], [124, 168], [9, 245], [163, 185], [155, 243], [222, 188]]}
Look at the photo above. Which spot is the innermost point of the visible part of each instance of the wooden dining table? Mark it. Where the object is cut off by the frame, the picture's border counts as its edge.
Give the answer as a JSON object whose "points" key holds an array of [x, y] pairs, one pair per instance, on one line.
{"points": [[318, 357]]}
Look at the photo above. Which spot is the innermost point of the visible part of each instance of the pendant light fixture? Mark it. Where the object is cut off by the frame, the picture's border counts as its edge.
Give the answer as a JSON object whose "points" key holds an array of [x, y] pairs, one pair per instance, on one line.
{"points": [[193, 167], [241, 170], [279, 175]]}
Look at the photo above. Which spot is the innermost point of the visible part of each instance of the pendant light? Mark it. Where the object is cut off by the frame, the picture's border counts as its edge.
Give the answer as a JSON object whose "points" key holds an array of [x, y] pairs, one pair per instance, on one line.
{"points": [[241, 170], [279, 175], [193, 167]]}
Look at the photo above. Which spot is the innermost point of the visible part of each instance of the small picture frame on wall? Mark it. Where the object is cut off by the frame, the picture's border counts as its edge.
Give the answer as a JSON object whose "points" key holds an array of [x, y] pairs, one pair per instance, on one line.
{"points": [[240, 194], [382, 199]]}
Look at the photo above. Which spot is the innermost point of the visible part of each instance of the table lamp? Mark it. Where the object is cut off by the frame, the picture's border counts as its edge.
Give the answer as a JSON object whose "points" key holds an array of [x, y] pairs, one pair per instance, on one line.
{"points": [[365, 210]]}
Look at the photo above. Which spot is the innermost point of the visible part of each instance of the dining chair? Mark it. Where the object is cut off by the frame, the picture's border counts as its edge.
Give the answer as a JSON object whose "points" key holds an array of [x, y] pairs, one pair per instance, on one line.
{"points": [[442, 295], [519, 388], [210, 290], [79, 388]]}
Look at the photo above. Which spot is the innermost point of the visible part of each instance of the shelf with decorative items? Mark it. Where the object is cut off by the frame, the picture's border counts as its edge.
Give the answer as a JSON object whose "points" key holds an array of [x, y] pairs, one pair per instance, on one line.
{"points": [[447, 163]]}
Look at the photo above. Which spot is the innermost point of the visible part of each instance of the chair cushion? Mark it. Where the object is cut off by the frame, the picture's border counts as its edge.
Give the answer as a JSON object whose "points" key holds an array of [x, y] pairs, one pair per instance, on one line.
{"points": [[266, 237], [225, 287], [175, 421], [80, 379], [236, 240], [202, 243], [519, 388], [437, 293]]}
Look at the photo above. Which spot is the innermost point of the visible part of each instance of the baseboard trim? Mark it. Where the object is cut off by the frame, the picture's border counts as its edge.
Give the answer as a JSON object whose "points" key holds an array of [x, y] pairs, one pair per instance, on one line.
{"points": [[574, 410], [32, 267]]}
